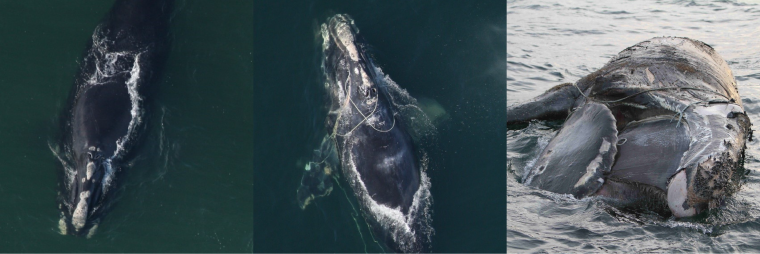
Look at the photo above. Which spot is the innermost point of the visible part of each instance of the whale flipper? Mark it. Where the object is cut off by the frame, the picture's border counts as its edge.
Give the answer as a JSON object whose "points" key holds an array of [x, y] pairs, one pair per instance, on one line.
{"points": [[654, 144], [555, 103], [583, 151]]}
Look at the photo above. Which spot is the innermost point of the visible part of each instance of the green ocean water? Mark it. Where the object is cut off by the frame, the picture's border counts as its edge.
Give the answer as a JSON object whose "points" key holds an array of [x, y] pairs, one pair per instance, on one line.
{"points": [[452, 52], [190, 187]]}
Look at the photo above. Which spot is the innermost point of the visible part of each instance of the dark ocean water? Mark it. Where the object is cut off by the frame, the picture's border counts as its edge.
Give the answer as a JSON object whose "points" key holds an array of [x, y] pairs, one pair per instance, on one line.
{"points": [[552, 42], [448, 51], [190, 187]]}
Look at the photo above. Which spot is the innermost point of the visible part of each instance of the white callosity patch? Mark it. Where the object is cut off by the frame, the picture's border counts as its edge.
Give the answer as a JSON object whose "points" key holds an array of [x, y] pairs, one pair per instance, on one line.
{"points": [[62, 228], [79, 217], [90, 169], [595, 164], [346, 37]]}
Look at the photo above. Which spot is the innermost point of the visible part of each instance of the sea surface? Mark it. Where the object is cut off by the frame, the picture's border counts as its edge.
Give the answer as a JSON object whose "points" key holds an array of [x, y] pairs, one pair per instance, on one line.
{"points": [[551, 42], [190, 187], [450, 52]]}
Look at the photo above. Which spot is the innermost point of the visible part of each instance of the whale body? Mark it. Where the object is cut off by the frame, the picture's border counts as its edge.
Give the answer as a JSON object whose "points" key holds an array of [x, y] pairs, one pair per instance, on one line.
{"points": [[369, 142], [107, 107], [662, 121]]}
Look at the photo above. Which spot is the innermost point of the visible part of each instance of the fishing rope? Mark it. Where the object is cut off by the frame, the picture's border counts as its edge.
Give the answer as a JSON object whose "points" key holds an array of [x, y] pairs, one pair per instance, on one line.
{"points": [[679, 114], [377, 100], [353, 216], [651, 90], [365, 117]]}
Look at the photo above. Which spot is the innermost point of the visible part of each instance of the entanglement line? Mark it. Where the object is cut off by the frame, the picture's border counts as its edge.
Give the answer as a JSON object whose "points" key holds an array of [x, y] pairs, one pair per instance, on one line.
{"points": [[679, 114], [650, 90], [353, 216], [365, 117]]}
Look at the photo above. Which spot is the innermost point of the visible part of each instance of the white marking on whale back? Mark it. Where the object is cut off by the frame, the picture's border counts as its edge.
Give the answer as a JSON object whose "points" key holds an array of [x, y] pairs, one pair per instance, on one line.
{"points": [[718, 109], [595, 164], [650, 76], [79, 217], [389, 162]]}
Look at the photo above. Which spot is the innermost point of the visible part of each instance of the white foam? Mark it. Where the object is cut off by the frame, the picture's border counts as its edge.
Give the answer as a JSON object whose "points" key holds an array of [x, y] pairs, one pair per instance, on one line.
{"points": [[325, 37], [136, 111], [107, 67], [393, 219], [108, 176]]}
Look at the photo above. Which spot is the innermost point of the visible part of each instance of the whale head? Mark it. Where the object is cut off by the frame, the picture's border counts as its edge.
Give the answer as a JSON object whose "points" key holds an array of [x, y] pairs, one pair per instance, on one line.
{"points": [[84, 199], [351, 79]]}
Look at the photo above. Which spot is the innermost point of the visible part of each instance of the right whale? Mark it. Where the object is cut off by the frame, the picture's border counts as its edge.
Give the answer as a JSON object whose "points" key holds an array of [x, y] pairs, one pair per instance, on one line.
{"points": [[661, 121], [369, 140], [107, 108]]}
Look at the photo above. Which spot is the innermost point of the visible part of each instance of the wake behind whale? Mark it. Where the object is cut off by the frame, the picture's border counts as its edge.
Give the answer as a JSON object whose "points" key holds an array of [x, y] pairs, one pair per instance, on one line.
{"points": [[372, 126]]}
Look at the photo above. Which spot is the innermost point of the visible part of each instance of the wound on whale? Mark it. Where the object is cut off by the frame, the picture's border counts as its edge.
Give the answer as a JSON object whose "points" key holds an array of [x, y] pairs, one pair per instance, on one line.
{"points": [[662, 121], [107, 108], [369, 143]]}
